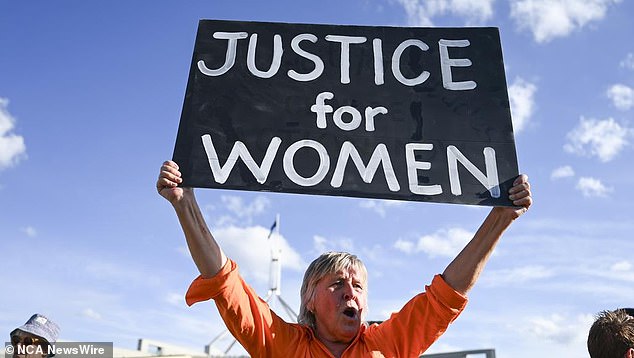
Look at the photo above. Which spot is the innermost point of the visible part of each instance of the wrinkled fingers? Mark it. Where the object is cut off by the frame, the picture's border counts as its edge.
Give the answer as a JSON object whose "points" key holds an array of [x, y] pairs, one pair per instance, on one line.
{"points": [[169, 176], [524, 201]]}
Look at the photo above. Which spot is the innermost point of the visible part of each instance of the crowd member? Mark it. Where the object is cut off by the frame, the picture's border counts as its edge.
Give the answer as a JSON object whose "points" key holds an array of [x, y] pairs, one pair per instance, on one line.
{"points": [[612, 334], [334, 290], [33, 338]]}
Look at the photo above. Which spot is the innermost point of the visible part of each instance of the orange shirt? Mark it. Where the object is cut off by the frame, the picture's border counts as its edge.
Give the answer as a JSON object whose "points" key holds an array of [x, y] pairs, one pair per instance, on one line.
{"points": [[407, 333]]}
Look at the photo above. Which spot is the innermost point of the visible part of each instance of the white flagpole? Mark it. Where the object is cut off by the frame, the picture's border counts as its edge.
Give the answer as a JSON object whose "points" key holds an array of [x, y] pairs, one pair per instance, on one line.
{"points": [[276, 264], [278, 283]]}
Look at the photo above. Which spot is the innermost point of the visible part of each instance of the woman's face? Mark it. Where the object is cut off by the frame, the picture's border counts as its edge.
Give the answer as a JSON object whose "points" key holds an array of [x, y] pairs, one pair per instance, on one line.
{"points": [[339, 304]]}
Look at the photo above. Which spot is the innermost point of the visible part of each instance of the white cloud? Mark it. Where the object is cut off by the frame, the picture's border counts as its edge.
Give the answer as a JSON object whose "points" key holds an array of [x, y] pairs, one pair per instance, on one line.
{"points": [[251, 249], [518, 275], [29, 231], [521, 95], [236, 205], [175, 299], [380, 206], [591, 187], [622, 96], [628, 62], [622, 270], [12, 147], [228, 220], [407, 247], [622, 266], [322, 244], [549, 19], [421, 12], [90, 313], [562, 172], [319, 243], [601, 138], [446, 243], [375, 253], [559, 329]]}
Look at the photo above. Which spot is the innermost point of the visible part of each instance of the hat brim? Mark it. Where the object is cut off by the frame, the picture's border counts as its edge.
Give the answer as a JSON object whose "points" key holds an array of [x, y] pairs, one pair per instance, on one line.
{"points": [[27, 329]]}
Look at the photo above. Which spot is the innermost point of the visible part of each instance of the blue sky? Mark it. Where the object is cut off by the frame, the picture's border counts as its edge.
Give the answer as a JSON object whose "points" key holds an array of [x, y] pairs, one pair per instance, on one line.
{"points": [[90, 99]]}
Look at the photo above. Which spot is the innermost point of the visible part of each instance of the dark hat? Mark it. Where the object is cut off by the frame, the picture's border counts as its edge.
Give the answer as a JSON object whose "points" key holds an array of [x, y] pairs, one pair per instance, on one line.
{"points": [[40, 326]]}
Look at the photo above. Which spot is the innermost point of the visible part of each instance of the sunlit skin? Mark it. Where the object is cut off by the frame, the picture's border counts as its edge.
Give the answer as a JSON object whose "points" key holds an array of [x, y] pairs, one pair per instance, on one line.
{"points": [[339, 304]]}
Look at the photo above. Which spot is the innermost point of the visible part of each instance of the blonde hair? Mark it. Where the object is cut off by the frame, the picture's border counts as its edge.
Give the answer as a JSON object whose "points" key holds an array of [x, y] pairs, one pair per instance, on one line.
{"points": [[327, 263]]}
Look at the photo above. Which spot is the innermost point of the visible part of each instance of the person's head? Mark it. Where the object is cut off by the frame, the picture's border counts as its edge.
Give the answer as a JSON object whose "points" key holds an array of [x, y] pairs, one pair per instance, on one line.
{"points": [[334, 295], [612, 335], [34, 337]]}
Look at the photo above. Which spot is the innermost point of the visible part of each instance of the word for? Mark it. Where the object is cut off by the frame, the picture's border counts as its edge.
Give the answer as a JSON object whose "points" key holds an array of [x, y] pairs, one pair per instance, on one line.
{"points": [[446, 63], [348, 151], [321, 108]]}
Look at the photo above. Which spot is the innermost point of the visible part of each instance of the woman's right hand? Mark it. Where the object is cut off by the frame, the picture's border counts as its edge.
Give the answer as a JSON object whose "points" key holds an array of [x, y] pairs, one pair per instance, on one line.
{"points": [[168, 181]]}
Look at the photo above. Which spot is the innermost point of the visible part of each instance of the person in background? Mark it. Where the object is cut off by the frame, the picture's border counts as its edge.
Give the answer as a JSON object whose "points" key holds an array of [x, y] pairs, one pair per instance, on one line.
{"points": [[612, 334], [334, 291], [33, 338]]}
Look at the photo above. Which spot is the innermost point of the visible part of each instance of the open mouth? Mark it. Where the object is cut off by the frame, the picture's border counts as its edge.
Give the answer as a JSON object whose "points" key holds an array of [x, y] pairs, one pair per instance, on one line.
{"points": [[350, 312]]}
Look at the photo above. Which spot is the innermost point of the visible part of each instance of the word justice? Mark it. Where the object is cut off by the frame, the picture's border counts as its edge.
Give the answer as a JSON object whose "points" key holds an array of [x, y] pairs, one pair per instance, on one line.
{"points": [[348, 151], [446, 63]]}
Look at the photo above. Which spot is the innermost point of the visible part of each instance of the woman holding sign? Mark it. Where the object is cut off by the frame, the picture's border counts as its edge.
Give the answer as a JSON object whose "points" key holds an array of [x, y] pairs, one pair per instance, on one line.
{"points": [[333, 294]]}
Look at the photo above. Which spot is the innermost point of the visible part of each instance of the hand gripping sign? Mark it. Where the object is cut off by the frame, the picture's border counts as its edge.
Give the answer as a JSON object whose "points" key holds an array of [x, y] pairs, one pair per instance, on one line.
{"points": [[403, 113]]}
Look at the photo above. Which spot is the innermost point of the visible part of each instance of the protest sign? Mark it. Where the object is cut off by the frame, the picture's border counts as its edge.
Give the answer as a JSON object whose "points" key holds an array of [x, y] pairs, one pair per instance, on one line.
{"points": [[403, 113]]}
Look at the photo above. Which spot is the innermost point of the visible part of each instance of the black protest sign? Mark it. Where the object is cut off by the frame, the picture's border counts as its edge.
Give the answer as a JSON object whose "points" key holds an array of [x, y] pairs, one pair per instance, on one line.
{"points": [[382, 112]]}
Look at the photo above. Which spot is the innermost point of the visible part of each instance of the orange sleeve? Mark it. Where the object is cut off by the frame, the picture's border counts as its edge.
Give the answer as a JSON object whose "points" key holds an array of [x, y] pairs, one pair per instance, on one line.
{"points": [[203, 289], [409, 332], [445, 299], [249, 319]]}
